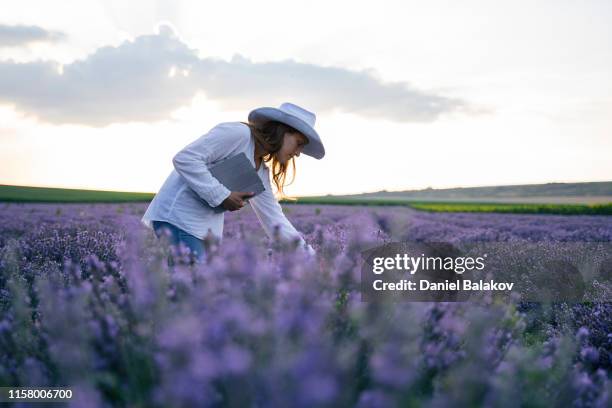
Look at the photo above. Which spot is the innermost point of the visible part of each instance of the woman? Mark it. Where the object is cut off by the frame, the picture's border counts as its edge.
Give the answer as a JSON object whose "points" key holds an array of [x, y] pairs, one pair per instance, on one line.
{"points": [[273, 136]]}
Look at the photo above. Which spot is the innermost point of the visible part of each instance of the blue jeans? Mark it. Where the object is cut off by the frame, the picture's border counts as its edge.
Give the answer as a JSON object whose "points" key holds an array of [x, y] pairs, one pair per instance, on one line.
{"points": [[178, 237]]}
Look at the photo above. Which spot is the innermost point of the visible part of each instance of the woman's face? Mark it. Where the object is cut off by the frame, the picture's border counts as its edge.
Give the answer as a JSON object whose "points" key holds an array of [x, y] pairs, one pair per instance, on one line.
{"points": [[293, 144]]}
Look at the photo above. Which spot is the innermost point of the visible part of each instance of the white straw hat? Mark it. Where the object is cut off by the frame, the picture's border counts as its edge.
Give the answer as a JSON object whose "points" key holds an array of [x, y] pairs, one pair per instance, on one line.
{"points": [[298, 118]]}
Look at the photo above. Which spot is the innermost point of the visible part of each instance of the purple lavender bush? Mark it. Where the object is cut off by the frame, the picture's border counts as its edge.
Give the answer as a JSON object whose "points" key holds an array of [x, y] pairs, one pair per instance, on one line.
{"points": [[87, 301]]}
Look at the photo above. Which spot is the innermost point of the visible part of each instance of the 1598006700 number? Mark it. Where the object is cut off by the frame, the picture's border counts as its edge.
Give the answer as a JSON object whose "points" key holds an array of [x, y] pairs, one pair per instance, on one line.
{"points": [[50, 394]]}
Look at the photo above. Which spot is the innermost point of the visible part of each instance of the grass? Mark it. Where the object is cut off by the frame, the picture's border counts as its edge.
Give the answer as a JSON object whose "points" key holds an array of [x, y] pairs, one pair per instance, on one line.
{"points": [[516, 208], [25, 194], [563, 209]]}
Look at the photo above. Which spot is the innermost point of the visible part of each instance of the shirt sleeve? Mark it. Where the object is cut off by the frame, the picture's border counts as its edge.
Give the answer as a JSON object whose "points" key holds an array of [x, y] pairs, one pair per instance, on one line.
{"points": [[191, 163], [270, 214]]}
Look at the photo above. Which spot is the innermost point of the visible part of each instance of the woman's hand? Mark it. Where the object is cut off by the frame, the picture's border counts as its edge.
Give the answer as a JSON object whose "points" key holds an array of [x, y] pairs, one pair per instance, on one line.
{"points": [[310, 251], [236, 200]]}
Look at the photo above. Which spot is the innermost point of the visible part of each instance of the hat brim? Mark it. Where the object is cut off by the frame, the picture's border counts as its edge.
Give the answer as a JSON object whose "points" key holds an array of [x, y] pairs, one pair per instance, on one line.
{"points": [[314, 147]]}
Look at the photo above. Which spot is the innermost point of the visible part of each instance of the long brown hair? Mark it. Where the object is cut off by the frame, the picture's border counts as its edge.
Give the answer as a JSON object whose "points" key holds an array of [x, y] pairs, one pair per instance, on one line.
{"points": [[270, 137]]}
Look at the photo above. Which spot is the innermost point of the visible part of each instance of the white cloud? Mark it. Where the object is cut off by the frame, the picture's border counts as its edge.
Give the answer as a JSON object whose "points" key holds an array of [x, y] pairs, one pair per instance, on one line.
{"points": [[20, 35], [148, 78]]}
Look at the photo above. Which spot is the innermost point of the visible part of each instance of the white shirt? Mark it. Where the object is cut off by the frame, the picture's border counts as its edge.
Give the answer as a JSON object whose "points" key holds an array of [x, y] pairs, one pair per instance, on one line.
{"points": [[179, 199]]}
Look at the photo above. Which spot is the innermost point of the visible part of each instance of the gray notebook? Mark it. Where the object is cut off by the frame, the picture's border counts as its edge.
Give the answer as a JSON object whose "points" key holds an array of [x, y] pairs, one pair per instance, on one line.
{"points": [[237, 174]]}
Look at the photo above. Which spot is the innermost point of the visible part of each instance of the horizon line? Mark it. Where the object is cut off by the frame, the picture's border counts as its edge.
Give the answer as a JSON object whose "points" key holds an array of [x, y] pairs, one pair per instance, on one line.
{"points": [[328, 194]]}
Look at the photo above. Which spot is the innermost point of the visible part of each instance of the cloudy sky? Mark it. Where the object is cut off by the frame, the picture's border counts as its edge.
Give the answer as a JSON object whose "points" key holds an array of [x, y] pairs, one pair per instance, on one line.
{"points": [[408, 94]]}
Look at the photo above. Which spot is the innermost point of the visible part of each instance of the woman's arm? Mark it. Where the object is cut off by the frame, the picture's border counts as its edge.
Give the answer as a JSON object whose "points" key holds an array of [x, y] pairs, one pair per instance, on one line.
{"points": [[270, 214], [192, 161]]}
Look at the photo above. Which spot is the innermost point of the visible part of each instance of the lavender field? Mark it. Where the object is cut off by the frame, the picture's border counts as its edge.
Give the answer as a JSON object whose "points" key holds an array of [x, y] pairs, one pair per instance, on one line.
{"points": [[87, 301]]}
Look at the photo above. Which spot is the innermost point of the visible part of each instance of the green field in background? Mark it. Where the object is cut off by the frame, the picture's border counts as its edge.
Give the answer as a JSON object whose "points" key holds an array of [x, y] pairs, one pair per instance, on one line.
{"points": [[528, 208], [563, 209], [57, 195], [54, 195]]}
